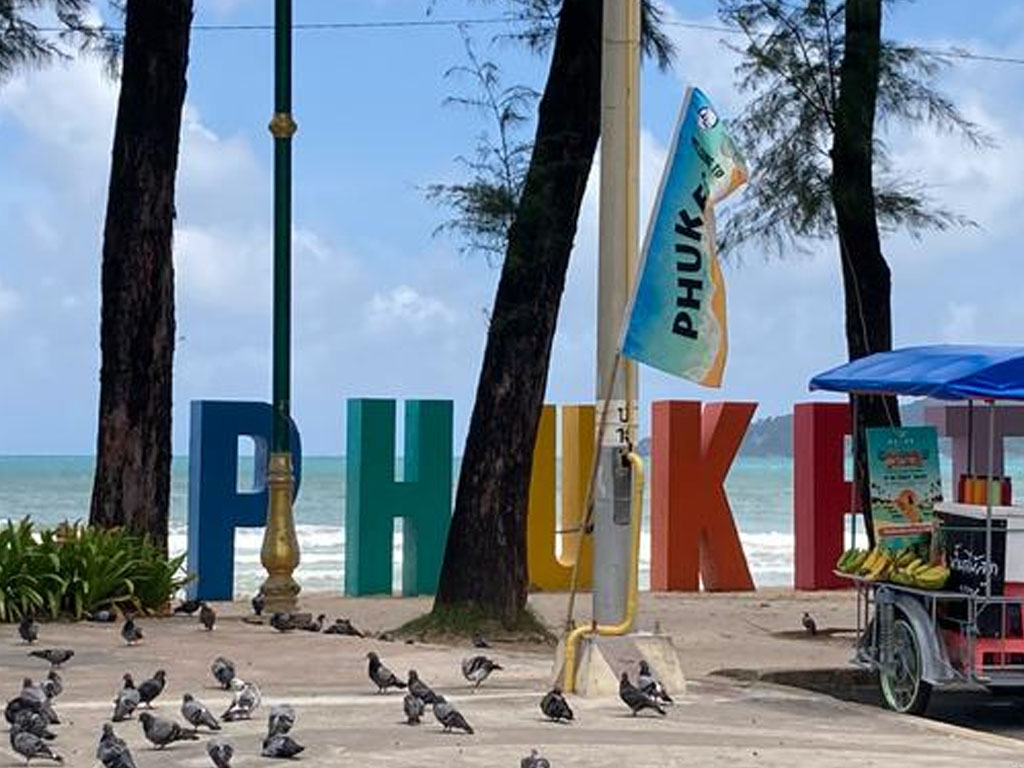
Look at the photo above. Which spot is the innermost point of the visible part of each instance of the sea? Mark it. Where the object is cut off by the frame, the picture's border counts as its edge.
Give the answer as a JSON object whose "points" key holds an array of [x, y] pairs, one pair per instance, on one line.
{"points": [[52, 489]]}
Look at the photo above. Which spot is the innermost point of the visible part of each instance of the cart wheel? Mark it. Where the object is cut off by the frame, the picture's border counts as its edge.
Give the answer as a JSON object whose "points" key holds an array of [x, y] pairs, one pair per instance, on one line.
{"points": [[902, 687]]}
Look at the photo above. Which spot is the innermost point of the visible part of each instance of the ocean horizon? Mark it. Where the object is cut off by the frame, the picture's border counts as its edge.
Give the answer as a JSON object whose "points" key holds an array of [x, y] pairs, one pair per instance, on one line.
{"points": [[51, 489]]}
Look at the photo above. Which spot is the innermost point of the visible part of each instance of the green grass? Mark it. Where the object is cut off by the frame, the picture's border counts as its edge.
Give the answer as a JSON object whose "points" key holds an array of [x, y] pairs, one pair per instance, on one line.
{"points": [[454, 623]]}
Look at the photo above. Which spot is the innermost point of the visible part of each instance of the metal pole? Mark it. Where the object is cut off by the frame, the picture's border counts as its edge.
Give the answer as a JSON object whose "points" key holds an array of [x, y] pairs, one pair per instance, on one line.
{"points": [[617, 256], [280, 553], [988, 497]]}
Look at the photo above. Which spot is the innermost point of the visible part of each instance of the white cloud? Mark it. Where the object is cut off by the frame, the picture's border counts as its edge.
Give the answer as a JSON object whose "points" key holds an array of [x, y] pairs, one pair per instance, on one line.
{"points": [[961, 324], [405, 307]]}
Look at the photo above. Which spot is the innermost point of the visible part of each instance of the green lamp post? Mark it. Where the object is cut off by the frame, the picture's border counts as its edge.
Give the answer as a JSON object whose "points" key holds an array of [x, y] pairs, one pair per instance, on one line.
{"points": [[280, 553]]}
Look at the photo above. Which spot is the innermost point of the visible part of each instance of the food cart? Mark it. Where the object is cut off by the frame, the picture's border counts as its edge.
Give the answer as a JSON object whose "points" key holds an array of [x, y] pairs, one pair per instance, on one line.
{"points": [[969, 633]]}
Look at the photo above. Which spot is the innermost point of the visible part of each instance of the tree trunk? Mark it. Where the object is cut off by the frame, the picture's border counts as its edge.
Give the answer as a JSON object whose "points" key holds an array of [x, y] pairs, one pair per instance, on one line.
{"points": [[133, 462], [485, 560], [866, 277]]}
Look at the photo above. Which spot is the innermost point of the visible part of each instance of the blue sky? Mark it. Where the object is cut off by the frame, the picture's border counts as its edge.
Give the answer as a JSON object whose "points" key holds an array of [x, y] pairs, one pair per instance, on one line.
{"points": [[381, 306]]}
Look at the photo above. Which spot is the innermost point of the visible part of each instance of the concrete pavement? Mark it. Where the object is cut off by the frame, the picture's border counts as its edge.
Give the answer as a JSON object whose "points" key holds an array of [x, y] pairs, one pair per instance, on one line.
{"points": [[341, 720]]}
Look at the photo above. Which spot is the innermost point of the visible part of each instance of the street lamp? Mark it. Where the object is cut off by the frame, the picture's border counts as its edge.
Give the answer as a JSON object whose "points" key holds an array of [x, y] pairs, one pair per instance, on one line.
{"points": [[280, 553]]}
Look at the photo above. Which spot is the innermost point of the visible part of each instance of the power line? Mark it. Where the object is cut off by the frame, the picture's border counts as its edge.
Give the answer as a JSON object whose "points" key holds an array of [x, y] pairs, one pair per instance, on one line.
{"points": [[314, 26]]}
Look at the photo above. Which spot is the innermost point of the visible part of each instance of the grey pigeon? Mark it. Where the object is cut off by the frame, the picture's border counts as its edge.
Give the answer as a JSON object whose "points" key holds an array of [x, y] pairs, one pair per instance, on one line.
{"points": [[476, 669], [35, 723], [161, 732], [413, 706], [479, 641], [196, 713], [282, 621], [314, 626], [130, 633], [247, 699], [223, 670], [112, 750], [220, 752], [188, 607], [381, 676], [150, 689], [636, 699], [809, 624], [281, 719], [343, 626], [555, 706], [448, 716], [419, 689], [281, 745], [53, 685], [35, 699], [649, 684], [28, 630], [207, 616], [259, 602], [534, 760], [31, 747], [103, 616], [56, 656], [126, 701]]}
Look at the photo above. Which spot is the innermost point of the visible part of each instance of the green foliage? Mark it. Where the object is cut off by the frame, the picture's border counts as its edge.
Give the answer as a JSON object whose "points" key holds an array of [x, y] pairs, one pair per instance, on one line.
{"points": [[73, 569], [791, 66]]}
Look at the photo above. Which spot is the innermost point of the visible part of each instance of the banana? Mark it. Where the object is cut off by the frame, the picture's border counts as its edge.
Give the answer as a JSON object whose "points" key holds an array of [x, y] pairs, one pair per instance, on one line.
{"points": [[870, 561], [882, 565], [905, 558], [844, 559], [913, 564], [857, 561]]}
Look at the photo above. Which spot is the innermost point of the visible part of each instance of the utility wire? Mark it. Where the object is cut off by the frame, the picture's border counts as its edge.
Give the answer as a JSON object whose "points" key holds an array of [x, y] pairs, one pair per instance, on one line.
{"points": [[314, 26]]}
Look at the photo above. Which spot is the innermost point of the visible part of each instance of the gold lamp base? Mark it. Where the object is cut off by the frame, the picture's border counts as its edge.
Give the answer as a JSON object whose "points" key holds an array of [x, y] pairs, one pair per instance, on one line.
{"points": [[280, 553]]}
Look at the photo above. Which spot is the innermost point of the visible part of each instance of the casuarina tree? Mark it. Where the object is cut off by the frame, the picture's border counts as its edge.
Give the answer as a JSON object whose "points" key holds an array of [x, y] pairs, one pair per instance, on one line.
{"points": [[822, 79], [137, 330]]}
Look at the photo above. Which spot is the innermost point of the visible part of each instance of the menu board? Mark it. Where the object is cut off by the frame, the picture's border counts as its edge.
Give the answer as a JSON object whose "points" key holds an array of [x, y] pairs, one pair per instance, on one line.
{"points": [[903, 470]]}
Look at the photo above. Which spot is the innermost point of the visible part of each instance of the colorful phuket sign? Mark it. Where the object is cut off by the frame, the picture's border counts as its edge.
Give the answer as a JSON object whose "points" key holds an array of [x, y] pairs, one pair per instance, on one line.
{"points": [[677, 315], [903, 469]]}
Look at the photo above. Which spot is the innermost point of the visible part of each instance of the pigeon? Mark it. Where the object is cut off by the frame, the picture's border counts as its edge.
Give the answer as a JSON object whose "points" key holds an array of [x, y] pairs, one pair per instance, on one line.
{"points": [[259, 602], [112, 750], [126, 701], [28, 629], [282, 622], [534, 760], [636, 699], [314, 626], [161, 732], [281, 745], [477, 669], [809, 624], [220, 752], [448, 716], [281, 720], [419, 689], [247, 699], [150, 689], [207, 616], [188, 607], [34, 698], [35, 723], [130, 633], [381, 676], [414, 707], [53, 686], [196, 713], [479, 641], [102, 616], [649, 684], [56, 656], [343, 627], [31, 747], [555, 706], [223, 670]]}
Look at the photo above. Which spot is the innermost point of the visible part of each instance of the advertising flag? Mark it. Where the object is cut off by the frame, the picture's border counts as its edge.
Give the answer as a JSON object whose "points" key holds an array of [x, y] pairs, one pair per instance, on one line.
{"points": [[677, 316]]}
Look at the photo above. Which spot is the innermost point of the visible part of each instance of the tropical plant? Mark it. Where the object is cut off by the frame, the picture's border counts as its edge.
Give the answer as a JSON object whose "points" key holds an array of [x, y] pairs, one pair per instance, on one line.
{"points": [[72, 570]]}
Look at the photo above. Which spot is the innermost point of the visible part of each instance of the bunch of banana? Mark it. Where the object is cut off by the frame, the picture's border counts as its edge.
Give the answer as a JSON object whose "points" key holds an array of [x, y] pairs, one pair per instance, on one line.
{"points": [[851, 560], [877, 564], [921, 574]]}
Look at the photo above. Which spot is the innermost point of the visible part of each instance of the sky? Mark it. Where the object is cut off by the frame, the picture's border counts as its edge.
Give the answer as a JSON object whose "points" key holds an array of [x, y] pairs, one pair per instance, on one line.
{"points": [[384, 307]]}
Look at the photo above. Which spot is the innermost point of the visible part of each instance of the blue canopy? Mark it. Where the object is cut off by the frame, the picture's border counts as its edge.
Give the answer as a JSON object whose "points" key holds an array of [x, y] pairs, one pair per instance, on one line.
{"points": [[943, 371]]}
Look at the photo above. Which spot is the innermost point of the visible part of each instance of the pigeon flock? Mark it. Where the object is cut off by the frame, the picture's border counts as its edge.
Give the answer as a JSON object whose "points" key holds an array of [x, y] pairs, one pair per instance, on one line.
{"points": [[31, 713]]}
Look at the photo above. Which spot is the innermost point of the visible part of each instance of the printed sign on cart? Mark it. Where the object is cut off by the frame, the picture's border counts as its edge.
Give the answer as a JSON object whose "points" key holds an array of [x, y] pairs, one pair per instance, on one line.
{"points": [[903, 469]]}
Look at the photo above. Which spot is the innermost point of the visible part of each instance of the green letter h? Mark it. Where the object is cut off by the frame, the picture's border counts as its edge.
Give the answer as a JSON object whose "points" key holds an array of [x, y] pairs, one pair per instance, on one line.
{"points": [[373, 498]]}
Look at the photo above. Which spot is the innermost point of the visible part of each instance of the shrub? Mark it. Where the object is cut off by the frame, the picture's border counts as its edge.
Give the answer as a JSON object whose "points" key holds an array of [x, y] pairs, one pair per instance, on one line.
{"points": [[74, 569]]}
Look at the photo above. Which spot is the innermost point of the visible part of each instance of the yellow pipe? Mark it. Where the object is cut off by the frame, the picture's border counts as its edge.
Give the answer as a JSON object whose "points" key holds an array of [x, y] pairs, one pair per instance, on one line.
{"points": [[572, 640]]}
